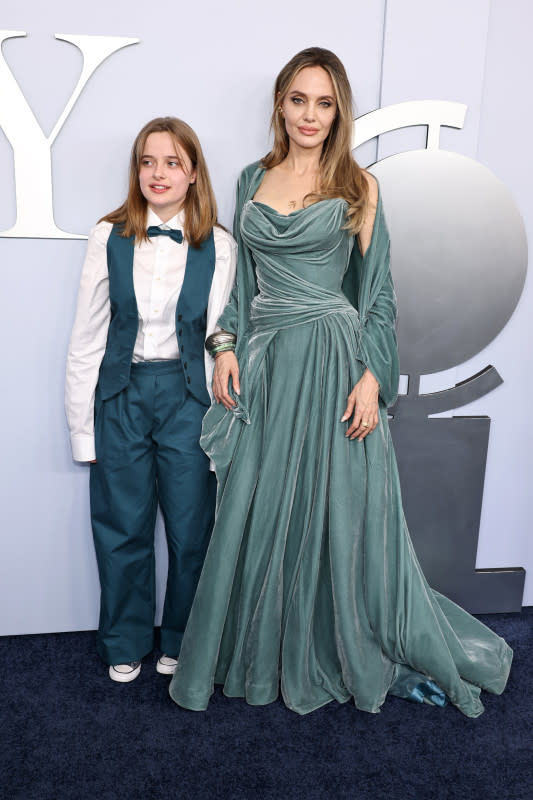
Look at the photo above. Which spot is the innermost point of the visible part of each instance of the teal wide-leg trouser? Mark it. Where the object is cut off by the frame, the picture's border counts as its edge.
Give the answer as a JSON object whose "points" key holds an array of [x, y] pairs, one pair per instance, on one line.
{"points": [[148, 452]]}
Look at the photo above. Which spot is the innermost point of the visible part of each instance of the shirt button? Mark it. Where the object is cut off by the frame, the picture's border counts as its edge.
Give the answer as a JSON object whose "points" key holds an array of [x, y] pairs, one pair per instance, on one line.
{"points": [[155, 311]]}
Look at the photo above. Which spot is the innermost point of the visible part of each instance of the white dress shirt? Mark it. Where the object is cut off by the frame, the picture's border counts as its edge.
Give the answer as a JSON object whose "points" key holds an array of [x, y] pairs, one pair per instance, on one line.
{"points": [[158, 273]]}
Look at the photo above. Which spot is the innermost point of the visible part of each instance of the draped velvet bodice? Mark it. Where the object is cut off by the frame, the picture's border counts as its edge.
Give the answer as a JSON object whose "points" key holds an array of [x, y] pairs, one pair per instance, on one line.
{"points": [[311, 241], [300, 261]]}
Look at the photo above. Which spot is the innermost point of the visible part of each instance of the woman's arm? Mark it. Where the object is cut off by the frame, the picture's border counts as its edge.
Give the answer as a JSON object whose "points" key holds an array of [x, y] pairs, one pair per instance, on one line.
{"points": [[370, 286], [87, 344], [229, 319], [364, 236], [379, 343], [226, 364]]}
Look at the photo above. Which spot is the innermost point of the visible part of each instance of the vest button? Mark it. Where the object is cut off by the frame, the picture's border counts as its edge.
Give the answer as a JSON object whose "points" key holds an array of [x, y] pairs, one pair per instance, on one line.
{"points": [[182, 348], [179, 317], [188, 378], [180, 331], [185, 365]]}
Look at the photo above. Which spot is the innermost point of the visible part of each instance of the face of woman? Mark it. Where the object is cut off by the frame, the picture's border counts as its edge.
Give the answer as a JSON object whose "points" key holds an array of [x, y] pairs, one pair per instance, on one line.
{"points": [[309, 108], [163, 181]]}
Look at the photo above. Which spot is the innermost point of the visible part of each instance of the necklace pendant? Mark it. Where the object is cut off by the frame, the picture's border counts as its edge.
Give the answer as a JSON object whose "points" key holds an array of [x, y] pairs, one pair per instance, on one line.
{"points": [[292, 204]]}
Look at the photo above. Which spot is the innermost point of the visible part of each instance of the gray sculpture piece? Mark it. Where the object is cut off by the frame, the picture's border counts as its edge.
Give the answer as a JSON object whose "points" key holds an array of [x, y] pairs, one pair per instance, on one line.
{"points": [[459, 261]]}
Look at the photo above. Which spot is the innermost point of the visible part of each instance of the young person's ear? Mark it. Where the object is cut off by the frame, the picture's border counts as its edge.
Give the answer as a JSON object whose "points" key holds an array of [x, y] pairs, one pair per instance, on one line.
{"points": [[192, 178]]}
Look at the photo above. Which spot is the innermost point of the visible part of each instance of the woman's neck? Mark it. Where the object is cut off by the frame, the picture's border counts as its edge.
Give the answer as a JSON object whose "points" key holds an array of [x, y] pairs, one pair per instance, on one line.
{"points": [[302, 161]]}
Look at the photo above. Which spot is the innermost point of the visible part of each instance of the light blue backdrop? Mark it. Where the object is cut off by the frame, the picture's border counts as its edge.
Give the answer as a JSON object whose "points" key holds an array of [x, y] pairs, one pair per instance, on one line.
{"points": [[216, 70]]}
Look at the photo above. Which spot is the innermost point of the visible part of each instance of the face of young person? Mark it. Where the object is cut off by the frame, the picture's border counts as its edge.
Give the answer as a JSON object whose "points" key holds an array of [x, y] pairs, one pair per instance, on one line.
{"points": [[163, 181], [309, 107]]}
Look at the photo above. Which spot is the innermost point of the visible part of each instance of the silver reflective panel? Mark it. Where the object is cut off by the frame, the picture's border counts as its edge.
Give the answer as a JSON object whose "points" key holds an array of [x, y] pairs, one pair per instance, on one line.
{"points": [[459, 255]]}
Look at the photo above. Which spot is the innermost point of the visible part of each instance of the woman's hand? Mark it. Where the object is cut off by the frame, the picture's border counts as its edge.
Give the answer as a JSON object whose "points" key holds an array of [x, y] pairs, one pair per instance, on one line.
{"points": [[363, 404], [226, 365]]}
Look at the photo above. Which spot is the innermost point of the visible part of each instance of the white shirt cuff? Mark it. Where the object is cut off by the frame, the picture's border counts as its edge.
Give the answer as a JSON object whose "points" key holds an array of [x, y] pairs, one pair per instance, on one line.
{"points": [[83, 448]]}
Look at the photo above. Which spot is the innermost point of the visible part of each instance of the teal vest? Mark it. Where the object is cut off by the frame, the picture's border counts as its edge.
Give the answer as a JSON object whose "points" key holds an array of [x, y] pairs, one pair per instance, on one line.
{"points": [[191, 315]]}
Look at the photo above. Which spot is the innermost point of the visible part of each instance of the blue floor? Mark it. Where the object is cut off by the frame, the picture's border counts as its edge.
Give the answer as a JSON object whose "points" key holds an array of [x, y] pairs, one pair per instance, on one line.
{"points": [[67, 731]]}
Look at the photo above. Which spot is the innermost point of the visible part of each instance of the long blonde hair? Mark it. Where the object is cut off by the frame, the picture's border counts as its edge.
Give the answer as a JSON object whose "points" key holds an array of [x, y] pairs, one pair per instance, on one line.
{"points": [[340, 175], [199, 205]]}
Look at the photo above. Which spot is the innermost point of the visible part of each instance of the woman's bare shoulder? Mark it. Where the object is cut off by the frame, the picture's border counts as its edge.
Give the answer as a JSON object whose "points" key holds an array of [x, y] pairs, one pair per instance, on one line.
{"points": [[365, 234], [372, 188]]}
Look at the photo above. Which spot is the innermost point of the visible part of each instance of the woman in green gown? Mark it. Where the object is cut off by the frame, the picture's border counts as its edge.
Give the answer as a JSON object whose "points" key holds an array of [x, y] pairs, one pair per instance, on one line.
{"points": [[310, 581]]}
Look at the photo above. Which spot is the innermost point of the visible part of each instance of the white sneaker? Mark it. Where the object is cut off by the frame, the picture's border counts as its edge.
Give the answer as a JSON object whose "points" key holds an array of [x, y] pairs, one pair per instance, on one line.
{"points": [[124, 673], [166, 665]]}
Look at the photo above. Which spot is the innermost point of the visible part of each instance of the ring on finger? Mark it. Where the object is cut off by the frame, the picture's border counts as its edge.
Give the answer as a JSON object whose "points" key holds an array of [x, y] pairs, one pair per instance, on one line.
{"points": [[365, 425]]}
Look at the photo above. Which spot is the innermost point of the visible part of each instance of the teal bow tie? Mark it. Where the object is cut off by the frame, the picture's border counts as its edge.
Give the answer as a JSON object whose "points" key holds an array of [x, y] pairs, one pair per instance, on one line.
{"points": [[176, 235]]}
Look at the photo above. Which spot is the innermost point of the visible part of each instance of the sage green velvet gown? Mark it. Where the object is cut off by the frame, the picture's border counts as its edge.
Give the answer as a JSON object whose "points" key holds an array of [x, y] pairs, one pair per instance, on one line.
{"points": [[310, 582]]}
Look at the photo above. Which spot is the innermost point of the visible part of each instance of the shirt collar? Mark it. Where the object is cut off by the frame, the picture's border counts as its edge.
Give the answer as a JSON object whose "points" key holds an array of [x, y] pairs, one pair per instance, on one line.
{"points": [[177, 221]]}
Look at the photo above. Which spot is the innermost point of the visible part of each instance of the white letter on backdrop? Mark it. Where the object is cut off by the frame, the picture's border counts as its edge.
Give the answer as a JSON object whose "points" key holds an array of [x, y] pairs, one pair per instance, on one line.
{"points": [[31, 148]]}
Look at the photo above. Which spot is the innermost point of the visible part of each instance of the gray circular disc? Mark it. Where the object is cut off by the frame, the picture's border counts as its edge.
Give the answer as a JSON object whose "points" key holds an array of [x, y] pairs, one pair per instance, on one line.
{"points": [[458, 255]]}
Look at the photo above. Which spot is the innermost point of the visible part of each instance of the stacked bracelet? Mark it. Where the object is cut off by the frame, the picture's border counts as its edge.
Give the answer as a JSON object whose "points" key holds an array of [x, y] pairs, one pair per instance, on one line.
{"points": [[220, 342], [221, 349]]}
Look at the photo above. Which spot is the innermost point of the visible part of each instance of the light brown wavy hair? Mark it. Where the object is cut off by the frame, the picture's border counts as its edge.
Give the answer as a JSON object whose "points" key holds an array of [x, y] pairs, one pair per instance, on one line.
{"points": [[340, 175], [199, 205]]}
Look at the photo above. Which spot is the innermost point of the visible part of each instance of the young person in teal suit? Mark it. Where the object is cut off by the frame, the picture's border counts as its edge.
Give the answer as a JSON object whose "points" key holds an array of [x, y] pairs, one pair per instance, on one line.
{"points": [[157, 275]]}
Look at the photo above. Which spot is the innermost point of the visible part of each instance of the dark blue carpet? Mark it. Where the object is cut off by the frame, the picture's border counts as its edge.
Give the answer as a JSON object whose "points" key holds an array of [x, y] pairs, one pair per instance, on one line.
{"points": [[67, 731]]}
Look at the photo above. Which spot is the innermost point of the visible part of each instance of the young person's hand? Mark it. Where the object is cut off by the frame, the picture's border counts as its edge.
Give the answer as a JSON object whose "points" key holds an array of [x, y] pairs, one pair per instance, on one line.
{"points": [[363, 404], [226, 366]]}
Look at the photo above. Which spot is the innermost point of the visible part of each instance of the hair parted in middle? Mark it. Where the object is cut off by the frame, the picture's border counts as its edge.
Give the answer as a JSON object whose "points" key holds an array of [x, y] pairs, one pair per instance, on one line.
{"points": [[340, 175], [199, 205]]}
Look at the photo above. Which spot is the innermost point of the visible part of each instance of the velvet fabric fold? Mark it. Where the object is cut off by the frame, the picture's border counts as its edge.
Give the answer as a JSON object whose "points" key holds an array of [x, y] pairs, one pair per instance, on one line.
{"points": [[310, 582]]}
